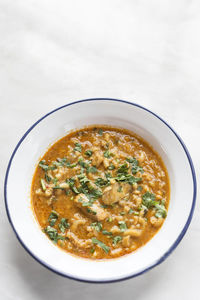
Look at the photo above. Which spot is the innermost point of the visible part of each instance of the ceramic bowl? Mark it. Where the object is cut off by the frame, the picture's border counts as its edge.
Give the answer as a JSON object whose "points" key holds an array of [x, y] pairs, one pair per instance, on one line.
{"points": [[55, 125]]}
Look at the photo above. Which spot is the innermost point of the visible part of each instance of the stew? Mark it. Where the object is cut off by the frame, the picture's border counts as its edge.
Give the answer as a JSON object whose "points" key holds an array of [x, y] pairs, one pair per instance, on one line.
{"points": [[100, 192]]}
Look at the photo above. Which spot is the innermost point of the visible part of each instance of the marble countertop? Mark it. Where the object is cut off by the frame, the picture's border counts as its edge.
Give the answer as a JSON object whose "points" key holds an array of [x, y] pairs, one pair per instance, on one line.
{"points": [[54, 52]]}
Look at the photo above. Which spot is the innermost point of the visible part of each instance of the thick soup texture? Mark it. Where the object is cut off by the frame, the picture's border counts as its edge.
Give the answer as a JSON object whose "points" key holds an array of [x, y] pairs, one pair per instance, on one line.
{"points": [[100, 192]]}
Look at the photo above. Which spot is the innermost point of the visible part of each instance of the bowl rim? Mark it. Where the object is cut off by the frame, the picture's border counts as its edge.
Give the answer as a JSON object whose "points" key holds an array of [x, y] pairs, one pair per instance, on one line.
{"points": [[166, 254]]}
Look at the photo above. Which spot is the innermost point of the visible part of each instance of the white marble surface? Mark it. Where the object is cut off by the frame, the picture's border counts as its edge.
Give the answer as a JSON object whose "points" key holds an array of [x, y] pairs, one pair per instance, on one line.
{"points": [[53, 52]]}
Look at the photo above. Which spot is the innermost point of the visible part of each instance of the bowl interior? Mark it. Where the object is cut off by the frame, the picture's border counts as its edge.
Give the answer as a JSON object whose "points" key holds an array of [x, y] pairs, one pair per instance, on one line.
{"points": [[57, 124]]}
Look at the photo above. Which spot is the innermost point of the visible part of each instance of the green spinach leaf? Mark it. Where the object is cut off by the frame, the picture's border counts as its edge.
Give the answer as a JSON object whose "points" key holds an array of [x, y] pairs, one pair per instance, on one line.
{"points": [[78, 147], [122, 226], [101, 244], [53, 217], [116, 239]]}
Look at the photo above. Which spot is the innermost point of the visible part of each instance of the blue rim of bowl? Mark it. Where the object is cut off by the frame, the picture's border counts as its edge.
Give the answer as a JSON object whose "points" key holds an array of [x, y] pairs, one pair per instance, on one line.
{"points": [[167, 253]]}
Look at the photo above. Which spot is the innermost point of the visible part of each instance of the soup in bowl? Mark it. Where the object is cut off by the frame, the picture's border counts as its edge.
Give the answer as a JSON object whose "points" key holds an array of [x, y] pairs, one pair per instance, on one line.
{"points": [[100, 190]]}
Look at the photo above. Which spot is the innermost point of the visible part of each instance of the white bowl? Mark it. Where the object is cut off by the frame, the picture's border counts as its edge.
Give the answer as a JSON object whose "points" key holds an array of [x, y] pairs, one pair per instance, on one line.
{"points": [[119, 113]]}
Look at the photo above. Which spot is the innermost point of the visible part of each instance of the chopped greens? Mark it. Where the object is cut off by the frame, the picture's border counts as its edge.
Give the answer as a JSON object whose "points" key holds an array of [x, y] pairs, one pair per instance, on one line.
{"points": [[133, 179], [86, 203], [92, 170], [90, 211], [78, 147], [53, 217], [88, 153], [107, 154], [83, 179], [82, 163], [116, 239], [123, 169], [71, 182], [100, 244], [105, 232], [122, 226], [95, 193], [122, 213], [163, 201], [130, 159], [108, 175], [100, 132], [57, 187], [135, 165], [111, 167], [127, 178], [161, 211], [44, 166], [122, 175], [102, 182], [53, 234], [86, 187], [144, 208], [71, 165], [63, 225], [43, 184], [60, 162], [97, 226], [47, 177], [148, 199]]}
